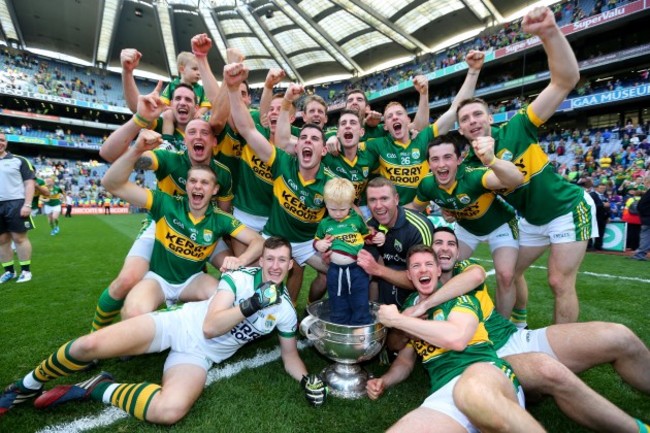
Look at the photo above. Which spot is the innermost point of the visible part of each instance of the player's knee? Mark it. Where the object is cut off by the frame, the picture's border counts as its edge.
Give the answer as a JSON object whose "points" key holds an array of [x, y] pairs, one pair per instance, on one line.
{"points": [[558, 283], [552, 376], [505, 279], [167, 413], [130, 310], [86, 346], [122, 285], [469, 392]]}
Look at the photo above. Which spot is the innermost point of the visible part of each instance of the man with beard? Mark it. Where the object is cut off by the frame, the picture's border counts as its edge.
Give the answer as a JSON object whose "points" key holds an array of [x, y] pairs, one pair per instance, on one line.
{"points": [[546, 360], [552, 210], [451, 340], [467, 193], [298, 181]]}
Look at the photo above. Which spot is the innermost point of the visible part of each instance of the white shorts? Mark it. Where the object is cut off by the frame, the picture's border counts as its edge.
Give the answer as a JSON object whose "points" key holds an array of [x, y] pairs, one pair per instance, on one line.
{"points": [[251, 221], [143, 245], [51, 209], [302, 251], [173, 332], [526, 341], [578, 225], [502, 236], [443, 401], [171, 291]]}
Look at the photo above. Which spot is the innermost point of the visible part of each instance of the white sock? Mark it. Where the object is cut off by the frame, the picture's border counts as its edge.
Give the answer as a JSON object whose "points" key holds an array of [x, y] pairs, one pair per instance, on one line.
{"points": [[106, 398]]}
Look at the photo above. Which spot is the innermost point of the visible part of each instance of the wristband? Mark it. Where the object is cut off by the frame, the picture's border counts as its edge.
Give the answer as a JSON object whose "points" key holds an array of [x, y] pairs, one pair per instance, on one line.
{"points": [[199, 54], [491, 163], [141, 121], [27, 205]]}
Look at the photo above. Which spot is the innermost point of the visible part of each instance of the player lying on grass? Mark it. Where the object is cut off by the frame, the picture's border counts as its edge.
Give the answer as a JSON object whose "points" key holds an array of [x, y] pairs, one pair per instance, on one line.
{"points": [[249, 303], [451, 340], [544, 359]]}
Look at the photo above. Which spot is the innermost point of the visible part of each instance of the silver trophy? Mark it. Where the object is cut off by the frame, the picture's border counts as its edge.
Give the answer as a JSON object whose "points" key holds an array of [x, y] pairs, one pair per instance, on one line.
{"points": [[345, 345]]}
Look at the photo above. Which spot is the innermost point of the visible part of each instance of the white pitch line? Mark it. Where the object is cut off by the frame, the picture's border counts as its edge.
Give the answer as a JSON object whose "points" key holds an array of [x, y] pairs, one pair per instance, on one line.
{"points": [[591, 274], [112, 414]]}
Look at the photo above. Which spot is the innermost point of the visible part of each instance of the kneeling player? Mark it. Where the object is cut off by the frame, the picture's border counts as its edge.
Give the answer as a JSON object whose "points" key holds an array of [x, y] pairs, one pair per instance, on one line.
{"points": [[198, 334]]}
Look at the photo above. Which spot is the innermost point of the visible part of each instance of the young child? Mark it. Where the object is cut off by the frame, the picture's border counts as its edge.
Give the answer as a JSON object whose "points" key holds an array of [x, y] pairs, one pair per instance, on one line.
{"points": [[188, 73], [343, 232]]}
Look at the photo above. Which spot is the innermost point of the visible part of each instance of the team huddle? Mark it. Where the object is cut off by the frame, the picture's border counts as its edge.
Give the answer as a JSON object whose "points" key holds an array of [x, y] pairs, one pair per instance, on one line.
{"points": [[259, 198]]}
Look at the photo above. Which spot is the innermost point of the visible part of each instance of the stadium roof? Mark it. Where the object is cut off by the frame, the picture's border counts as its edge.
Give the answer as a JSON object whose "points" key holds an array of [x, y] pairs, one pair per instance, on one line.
{"points": [[309, 39]]}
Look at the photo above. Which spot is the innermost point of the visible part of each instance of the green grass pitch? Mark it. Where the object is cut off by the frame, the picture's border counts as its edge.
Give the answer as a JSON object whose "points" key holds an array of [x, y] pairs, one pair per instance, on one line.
{"points": [[71, 270]]}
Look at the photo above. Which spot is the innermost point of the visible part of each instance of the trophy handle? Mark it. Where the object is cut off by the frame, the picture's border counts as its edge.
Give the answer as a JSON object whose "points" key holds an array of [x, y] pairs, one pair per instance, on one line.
{"points": [[306, 327]]}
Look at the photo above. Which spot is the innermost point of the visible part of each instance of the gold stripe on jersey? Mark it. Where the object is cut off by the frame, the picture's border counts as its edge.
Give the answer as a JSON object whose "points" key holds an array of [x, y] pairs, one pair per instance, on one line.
{"points": [[180, 245], [475, 210], [257, 166], [529, 163], [229, 146], [408, 176], [292, 204], [428, 351]]}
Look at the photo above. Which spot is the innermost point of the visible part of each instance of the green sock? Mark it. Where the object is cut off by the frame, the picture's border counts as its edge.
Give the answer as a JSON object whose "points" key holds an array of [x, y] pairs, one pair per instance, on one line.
{"points": [[59, 364], [134, 398], [24, 265], [519, 315], [107, 309], [9, 266]]}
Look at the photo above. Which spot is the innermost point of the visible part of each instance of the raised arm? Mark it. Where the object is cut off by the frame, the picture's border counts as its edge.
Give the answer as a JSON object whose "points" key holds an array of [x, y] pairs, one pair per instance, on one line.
{"points": [[201, 45], [273, 78], [148, 109], [116, 179], [421, 119], [130, 59], [502, 173], [221, 104], [474, 60], [283, 127], [562, 62], [233, 75]]}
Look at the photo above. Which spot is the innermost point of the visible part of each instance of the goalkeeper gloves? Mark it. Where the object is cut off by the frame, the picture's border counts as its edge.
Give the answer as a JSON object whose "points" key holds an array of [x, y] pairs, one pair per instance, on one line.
{"points": [[266, 294], [315, 389]]}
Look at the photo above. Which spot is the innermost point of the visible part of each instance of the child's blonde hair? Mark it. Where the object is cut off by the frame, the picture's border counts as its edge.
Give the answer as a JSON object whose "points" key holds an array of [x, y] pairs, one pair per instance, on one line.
{"points": [[184, 57], [339, 190]]}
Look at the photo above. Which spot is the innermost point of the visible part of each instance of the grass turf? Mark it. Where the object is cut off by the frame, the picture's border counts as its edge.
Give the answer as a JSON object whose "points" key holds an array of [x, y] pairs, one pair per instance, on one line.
{"points": [[71, 270]]}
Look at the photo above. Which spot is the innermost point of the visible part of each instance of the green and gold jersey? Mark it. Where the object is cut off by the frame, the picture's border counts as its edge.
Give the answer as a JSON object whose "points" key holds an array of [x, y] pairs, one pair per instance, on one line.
{"points": [[40, 182], [56, 194], [357, 171], [183, 244], [174, 142], [499, 329], [476, 208], [544, 195], [230, 144], [444, 364], [168, 91], [298, 204], [349, 233], [403, 163], [171, 171]]}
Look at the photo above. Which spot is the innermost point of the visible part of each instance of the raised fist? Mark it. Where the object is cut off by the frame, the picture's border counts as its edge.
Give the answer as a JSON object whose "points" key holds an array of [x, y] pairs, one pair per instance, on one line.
{"points": [[130, 58], [201, 45]]}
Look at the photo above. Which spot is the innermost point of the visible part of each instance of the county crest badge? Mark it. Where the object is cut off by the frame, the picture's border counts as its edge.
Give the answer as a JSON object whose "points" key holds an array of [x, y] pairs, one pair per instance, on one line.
{"points": [[207, 235]]}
